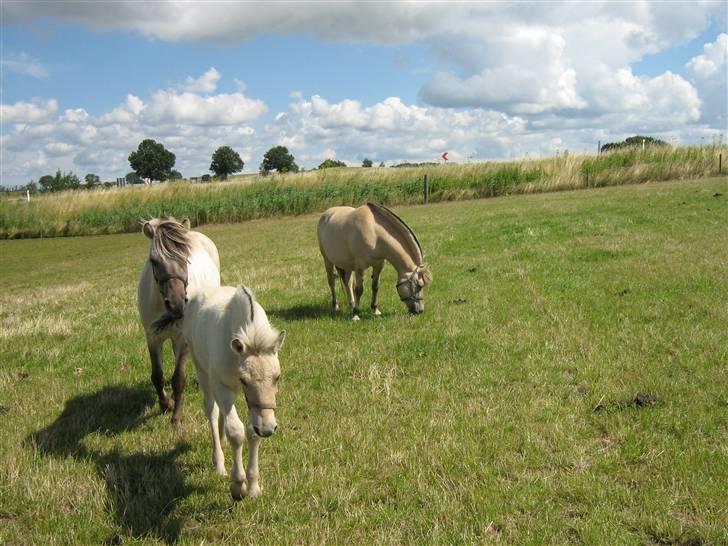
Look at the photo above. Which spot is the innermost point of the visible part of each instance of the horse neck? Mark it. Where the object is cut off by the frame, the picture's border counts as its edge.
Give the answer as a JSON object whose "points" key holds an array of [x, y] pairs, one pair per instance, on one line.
{"points": [[397, 255]]}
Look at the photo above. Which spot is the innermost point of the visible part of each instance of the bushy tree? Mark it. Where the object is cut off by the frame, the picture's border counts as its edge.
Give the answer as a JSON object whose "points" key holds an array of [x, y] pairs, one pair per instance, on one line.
{"points": [[633, 142], [133, 178], [367, 162], [175, 175], [226, 161], [205, 177], [59, 182], [91, 180], [152, 160], [330, 163], [381, 164], [278, 159]]}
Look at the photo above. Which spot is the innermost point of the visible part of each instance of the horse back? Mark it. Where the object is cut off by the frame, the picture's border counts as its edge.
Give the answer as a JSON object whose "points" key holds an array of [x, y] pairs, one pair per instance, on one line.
{"points": [[347, 236]]}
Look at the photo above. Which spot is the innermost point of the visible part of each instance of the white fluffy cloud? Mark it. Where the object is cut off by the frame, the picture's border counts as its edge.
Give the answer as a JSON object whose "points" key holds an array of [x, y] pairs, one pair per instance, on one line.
{"points": [[710, 73], [28, 112], [189, 124]]}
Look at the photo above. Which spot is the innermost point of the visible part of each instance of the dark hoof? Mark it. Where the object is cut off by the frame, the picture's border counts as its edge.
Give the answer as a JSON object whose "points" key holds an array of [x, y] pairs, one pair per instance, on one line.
{"points": [[165, 405]]}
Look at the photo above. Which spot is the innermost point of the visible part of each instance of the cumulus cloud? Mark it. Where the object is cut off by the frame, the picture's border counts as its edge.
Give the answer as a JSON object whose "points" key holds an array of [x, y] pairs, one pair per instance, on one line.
{"points": [[189, 124], [710, 74], [28, 112]]}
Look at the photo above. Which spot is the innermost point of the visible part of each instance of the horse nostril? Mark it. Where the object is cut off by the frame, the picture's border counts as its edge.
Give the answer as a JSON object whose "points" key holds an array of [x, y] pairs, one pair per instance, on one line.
{"points": [[275, 427], [257, 431]]}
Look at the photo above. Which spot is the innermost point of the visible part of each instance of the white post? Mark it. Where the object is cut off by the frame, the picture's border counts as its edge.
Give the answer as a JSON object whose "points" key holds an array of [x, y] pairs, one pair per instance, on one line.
{"points": [[27, 195]]}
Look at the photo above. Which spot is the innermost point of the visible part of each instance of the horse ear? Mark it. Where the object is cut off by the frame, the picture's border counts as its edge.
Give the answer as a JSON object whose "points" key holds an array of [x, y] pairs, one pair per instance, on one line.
{"points": [[148, 230], [237, 346], [186, 223], [279, 341]]}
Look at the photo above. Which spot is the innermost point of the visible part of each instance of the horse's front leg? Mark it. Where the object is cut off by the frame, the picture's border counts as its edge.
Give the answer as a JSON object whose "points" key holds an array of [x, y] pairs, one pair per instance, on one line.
{"points": [[179, 378], [376, 273], [213, 416], [235, 432], [254, 488], [154, 344]]}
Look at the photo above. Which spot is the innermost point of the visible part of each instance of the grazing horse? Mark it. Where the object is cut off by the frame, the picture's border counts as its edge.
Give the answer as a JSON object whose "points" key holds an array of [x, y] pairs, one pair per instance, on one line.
{"points": [[351, 240], [235, 348], [180, 262]]}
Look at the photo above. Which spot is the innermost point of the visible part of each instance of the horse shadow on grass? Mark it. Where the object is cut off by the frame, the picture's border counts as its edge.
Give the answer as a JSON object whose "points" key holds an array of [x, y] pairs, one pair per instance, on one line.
{"points": [[301, 311], [143, 487]]}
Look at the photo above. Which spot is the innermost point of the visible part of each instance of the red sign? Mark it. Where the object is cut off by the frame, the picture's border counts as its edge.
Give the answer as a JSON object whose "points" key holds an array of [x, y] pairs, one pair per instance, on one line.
{"points": [[444, 156]]}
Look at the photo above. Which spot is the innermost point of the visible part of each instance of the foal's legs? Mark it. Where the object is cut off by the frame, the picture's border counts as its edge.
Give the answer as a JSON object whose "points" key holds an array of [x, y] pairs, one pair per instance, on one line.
{"points": [[235, 432], [154, 344], [213, 416], [331, 277], [376, 272], [254, 488], [179, 378]]}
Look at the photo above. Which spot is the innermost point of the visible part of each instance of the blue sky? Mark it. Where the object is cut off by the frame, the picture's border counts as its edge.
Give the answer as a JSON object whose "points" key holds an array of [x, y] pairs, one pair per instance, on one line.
{"points": [[83, 83]]}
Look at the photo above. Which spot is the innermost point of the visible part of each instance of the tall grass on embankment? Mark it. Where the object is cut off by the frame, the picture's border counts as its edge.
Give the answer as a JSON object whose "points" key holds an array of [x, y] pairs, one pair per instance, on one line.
{"points": [[242, 198]]}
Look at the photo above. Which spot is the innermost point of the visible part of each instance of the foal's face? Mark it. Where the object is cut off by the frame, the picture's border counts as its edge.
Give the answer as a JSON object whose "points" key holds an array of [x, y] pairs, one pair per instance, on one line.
{"points": [[259, 374], [260, 382]]}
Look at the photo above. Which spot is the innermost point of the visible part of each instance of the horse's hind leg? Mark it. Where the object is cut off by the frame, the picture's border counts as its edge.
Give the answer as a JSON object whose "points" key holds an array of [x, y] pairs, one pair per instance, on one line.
{"points": [[179, 379], [376, 273], [346, 281], [215, 422], [155, 355], [331, 277], [358, 290]]}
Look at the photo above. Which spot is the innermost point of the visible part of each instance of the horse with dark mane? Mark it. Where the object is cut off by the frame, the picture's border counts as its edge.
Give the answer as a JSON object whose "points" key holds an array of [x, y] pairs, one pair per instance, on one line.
{"points": [[180, 263], [352, 240]]}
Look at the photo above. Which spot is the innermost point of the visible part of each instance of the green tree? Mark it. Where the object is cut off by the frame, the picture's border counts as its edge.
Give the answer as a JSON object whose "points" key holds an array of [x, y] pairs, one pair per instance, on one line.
{"points": [[133, 178], [367, 162], [59, 182], [226, 161], [91, 180], [279, 159], [331, 163], [175, 175], [32, 187], [634, 142], [152, 160], [381, 164], [205, 177]]}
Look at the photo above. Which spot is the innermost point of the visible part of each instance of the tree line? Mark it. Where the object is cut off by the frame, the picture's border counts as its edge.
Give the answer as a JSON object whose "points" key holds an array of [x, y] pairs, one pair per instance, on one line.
{"points": [[152, 161]]}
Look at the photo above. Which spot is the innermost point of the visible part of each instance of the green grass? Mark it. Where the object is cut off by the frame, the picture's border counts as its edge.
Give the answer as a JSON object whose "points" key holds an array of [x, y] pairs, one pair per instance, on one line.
{"points": [[503, 414], [106, 211]]}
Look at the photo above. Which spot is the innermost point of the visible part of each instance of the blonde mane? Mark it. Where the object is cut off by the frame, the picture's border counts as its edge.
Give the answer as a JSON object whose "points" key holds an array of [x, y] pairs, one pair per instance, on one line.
{"points": [[170, 240], [256, 333], [399, 229]]}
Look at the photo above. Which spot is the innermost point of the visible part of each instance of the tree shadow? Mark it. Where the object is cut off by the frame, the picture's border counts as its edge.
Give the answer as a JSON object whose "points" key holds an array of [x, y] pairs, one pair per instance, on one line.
{"points": [[144, 488]]}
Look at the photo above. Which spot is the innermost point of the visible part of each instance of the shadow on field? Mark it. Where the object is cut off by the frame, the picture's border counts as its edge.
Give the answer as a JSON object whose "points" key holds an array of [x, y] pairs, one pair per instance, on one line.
{"points": [[143, 487], [304, 311]]}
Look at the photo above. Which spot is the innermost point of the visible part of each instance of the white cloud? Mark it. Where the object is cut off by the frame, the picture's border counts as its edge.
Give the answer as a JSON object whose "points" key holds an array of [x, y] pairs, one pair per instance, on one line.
{"points": [[28, 112], [710, 74], [23, 64], [207, 83]]}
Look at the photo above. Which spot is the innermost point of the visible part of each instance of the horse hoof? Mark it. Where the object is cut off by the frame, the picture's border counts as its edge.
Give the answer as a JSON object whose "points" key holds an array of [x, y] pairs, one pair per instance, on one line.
{"points": [[175, 420], [355, 317], [377, 313], [239, 490], [165, 406], [255, 491]]}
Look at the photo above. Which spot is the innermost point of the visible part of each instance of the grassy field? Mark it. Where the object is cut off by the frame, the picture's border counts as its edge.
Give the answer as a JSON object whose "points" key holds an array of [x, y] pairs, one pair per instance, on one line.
{"points": [[567, 384], [107, 211]]}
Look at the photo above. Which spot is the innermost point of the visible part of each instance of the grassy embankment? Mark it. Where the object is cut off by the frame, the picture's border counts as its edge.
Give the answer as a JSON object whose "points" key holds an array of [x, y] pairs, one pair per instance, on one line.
{"points": [[244, 198], [506, 413]]}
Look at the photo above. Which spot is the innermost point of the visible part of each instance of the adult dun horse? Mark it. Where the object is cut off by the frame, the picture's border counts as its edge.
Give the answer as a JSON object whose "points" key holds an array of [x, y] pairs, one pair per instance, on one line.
{"points": [[235, 349], [180, 263], [352, 240]]}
